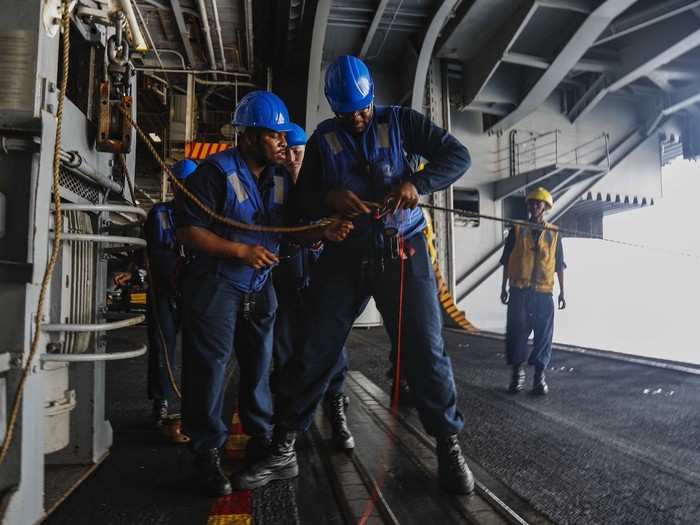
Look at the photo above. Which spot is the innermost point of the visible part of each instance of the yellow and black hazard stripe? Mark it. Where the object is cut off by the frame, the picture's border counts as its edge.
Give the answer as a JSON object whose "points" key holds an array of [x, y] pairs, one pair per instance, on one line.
{"points": [[446, 300], [448, 303], [201, 150]]}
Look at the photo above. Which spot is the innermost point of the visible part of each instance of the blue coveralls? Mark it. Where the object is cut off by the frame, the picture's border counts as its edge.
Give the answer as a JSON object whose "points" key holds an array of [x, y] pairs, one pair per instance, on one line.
{"points": [[216, 294], [529, 311], [292, 278], [348, 273], [163, 308]]}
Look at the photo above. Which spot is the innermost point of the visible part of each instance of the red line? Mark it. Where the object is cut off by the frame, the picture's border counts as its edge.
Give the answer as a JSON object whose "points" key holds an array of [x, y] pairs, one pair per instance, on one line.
{"points": [[371, 504], [236, 503], [397, 364]]}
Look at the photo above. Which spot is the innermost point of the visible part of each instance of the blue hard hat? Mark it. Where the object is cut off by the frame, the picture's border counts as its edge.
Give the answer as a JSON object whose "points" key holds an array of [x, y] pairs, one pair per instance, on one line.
{"points": [[262, 109], [296, 136], [183, 168], [349, 86]]}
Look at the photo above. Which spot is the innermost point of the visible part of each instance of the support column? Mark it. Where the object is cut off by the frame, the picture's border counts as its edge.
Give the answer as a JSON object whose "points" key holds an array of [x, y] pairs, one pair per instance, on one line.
{"points": [[438, 99]]}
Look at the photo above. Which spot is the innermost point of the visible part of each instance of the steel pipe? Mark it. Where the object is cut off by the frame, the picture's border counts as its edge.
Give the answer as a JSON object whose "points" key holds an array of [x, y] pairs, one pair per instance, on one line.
{"points": [[192, 71], [207, 33], [116, 208], [248, 14], [90, 358], [217, 26], [8, 144], [94, 327], [93, 237], [223, 83]]}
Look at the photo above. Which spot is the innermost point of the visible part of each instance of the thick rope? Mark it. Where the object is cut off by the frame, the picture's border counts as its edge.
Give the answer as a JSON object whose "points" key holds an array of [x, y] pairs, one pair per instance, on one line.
{"points": [[56, 245]]}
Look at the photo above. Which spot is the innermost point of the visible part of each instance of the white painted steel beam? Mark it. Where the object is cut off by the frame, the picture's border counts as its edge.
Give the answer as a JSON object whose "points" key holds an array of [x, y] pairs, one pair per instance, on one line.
{"points": [[676, 71], [426, 52], [570, 55], [378, 14], [313, 89], [641, 60], [642, 19], [480, 70], [678, 102], [578, 6], [506, 187]]}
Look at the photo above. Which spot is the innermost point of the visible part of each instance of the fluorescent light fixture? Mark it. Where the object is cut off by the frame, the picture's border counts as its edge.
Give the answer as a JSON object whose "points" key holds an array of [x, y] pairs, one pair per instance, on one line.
{"points": [[154, 137]]}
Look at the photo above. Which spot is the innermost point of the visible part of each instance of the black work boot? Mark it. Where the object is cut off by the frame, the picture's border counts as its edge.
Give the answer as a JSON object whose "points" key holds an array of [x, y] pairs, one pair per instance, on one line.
{"points": [[335, 410], [280, 463], [160, 410], [539, 385], [208, 471], [453, 472], [257, 448], [517, 380]]}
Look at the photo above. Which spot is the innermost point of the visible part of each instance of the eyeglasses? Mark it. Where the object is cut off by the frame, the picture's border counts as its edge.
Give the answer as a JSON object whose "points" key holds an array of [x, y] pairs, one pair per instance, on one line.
{"points": [[350, 115]]}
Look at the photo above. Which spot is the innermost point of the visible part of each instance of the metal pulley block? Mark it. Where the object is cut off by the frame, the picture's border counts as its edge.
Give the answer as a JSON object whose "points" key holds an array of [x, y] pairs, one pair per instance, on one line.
{"points": [[114, 132]]}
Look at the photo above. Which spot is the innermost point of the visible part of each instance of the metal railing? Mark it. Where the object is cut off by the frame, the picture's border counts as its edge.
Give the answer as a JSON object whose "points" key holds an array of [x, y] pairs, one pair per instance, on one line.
{"points": [[539, 150], [78, 311]]}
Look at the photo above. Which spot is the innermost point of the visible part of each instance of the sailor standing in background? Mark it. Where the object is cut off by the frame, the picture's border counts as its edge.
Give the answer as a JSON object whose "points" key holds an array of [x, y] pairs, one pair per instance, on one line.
{"points": [[530, 259], [165, 262]]}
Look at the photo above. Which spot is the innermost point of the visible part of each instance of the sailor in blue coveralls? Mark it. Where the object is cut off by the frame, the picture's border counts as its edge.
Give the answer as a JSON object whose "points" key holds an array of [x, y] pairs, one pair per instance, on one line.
{"points": [[228, 301], [292, 277], [165, 261], [360, 155]]}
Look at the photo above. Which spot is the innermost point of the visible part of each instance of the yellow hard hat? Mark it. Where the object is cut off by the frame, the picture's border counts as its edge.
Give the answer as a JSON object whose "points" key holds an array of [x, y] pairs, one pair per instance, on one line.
{"points": [[540, 194]]}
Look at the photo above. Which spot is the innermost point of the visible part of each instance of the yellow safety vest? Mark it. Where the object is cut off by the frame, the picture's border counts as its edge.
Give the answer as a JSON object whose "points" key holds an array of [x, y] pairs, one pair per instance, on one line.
{"points": [[531, 266]]}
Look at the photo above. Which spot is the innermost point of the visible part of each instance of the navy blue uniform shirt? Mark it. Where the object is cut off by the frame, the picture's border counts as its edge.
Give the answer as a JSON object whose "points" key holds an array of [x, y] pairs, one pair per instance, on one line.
{"points": [[448, 160]]}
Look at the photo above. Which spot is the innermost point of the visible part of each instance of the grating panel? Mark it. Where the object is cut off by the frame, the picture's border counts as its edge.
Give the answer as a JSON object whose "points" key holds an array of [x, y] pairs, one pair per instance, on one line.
{"points": [[78, 186]]}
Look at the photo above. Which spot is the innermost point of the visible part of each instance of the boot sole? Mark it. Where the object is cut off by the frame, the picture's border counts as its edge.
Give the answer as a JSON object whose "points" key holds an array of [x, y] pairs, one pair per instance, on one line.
{"points": [[464, 490], [348, 444], [287, 473]]}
